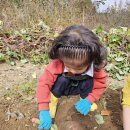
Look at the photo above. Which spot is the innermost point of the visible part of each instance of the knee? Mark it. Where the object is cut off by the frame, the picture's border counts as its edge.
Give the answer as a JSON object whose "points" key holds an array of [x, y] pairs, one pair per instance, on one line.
{"points": [[59, 86]]}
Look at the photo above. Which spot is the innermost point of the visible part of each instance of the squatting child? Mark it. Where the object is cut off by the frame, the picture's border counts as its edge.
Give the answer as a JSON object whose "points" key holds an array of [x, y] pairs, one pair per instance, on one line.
{"points": [[78, 59]]}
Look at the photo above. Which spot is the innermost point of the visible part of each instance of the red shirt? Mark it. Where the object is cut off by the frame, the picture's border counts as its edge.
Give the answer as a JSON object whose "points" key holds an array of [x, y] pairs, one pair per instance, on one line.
{"points": [[50, 75]]}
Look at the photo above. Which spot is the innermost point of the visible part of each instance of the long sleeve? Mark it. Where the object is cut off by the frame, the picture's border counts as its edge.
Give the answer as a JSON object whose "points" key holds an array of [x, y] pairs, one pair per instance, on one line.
{"points": [[44, 87], [99, 79]]}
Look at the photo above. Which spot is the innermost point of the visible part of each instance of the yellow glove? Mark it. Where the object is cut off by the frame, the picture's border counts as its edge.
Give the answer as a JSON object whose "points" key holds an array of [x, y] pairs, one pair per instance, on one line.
{"points": [[93, 107]]}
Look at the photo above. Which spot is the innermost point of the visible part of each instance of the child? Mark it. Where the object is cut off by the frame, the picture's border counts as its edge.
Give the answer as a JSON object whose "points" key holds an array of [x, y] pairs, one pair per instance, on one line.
{"points": [[76, 69], [126, 104]]}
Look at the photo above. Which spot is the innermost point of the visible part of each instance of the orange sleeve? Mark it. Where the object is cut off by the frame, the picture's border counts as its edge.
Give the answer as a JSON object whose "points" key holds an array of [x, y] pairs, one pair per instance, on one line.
{"points": [[45, 84], [99, 86]]}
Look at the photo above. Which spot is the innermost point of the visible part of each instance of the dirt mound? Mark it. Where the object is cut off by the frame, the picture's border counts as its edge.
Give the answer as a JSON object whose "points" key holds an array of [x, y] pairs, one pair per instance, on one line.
{"points": [[67, 118]]}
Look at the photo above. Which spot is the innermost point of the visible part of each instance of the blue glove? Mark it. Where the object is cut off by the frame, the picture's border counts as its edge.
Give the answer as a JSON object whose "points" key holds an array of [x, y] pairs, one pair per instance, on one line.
{"points": [[45, 120], [83, 106]]}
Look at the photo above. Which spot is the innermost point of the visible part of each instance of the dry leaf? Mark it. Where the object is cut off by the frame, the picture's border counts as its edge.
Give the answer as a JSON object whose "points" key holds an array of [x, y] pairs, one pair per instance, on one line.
{"points": [[106, 113]]}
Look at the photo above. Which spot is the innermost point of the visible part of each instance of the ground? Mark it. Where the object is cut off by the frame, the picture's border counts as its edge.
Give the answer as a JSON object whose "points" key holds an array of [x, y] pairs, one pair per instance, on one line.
{"points": [[18, 103]]}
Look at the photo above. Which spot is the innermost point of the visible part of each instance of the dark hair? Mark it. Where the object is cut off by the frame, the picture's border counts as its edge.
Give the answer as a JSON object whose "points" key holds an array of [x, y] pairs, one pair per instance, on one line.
{"points": [[78, 42]]}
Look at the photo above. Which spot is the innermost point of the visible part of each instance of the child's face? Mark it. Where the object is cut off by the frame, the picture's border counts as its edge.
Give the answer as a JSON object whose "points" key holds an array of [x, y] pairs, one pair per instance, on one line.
{"points": [[75, 66]]}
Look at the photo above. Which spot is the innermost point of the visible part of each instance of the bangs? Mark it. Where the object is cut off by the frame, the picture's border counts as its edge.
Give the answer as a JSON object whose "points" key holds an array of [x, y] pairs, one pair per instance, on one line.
{"points": [[74, 53]]}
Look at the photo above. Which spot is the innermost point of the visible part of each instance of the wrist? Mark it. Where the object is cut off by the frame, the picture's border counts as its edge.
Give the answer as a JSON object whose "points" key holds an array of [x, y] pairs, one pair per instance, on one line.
{"points": [[44, 113], [43, 106]]}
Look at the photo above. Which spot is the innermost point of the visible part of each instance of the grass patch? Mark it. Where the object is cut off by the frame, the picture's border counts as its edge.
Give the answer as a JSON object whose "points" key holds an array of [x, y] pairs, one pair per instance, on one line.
{"points": [[23, 90]]}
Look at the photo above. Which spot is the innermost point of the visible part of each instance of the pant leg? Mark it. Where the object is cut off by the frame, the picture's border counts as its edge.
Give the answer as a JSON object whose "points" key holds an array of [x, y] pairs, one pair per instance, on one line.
{"points": [[60, 85], [86, 87]]}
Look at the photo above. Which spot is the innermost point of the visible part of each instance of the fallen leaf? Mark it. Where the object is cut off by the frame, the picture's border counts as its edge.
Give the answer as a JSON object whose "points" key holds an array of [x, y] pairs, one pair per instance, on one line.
{"points": [[56, 35], [24, 61], [106, 113], [34, 75], [8, 98]]}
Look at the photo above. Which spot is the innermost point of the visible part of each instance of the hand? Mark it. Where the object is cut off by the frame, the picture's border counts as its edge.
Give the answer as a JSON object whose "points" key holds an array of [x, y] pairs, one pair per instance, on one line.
{"points": [[83, 106], [45, 120]]}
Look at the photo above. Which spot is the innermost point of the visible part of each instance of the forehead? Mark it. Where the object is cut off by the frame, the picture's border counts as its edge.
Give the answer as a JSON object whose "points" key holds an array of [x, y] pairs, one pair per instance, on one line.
{"points": [[74, 63]]}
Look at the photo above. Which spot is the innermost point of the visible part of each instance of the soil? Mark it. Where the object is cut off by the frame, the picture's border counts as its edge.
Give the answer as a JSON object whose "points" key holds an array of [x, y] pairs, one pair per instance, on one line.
{"points": [[67, 118]]}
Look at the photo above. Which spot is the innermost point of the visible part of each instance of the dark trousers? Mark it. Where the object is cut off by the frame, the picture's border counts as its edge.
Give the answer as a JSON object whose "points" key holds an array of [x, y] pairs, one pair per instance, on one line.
{"points": [[66, 86]]}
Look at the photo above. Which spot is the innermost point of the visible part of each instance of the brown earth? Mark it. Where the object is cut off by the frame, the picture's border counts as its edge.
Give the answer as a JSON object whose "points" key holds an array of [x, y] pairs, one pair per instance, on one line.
{"points": [[14, 100]]}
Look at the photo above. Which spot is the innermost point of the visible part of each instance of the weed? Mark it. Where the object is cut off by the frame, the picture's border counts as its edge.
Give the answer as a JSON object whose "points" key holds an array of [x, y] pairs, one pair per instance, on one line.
{"points": [[23, 90], [9, 56], [118, 50], [40, 58], [28, 88]]}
